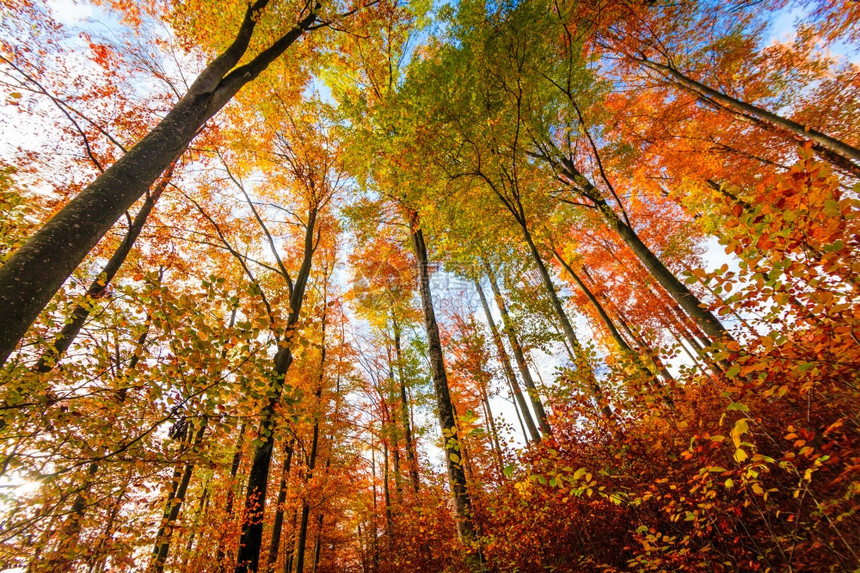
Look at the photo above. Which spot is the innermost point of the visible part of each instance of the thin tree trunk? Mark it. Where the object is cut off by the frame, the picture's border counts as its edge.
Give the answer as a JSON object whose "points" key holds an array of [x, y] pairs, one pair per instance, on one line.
{"points": [[61, 343], [411, 458], [387, 493], [291, 543], [171, 511], [201, 507], [610, 326], [277, 525], [532, 434], [231, 494], [519, 355], [71, 528], [446, 412], [676, 289], [98, 560], [37, 270], [312, 457], [491, 424], [251, 541], [317, 544], [739, 107]]}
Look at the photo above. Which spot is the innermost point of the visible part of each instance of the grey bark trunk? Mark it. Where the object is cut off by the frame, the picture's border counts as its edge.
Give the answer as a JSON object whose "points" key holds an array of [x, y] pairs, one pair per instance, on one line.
{"points": [[447, 414], [37, 270], [747, 109], [519, 355], [532, 434], [411, 458], [251, 541], [277, 524], [676, 289], [174, 505], [70, 330]]}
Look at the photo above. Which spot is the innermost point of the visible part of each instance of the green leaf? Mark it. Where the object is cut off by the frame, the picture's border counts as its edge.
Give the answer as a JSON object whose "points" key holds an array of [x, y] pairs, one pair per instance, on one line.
{"points": [[509, 470], [737, 406]]}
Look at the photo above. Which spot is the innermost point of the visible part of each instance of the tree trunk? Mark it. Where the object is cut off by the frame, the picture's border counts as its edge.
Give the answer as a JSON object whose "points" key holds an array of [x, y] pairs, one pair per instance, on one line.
{"points": [[312, 457], [255, 498], [411, 458], [231, 493], [386, 490], [291, 543], [201, 507], [317, 544], [277, 525], [52, 355], [447, 414], [491, 426], [171, 511], [532, 434], [306, 507], [610, 326], [743, 108], [37, 270], [676, 289], [520, 357]]}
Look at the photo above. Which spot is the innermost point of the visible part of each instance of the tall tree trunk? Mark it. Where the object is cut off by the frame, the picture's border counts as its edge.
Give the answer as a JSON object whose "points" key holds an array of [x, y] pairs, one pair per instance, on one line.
{"points": [[37, 270], [62, 557], [610, 325], [231, 494], [317, 543], [291, 543], [519, 356], [676, 289], [306, 506], [171, 511], [803, 132], [411, 458], [201, 507], [505, 360], [61, 343], [491, 426], [98, 556], [251, 541], [447, 414], [395, 442], [312, 457], [277, 525], [386, 490], [71, 528]]}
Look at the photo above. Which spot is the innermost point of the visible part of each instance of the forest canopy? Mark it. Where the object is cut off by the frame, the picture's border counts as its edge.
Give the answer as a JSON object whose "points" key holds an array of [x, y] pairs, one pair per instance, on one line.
{"points": [[392, 285]]}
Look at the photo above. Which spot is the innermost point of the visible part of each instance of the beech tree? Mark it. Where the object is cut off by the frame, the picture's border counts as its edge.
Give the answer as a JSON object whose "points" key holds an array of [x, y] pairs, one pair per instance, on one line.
{"points": [[563, 286]]}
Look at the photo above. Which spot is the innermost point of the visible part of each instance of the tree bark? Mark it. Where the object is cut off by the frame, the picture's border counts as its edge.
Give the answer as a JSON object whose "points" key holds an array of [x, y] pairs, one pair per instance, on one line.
{"points": [[317, 543], [532, 434], [610, 325], [447, 414], [277, 524], [174, 504], [676, 289], [519, 356], [52, 355], [37, 270], [312, 456], [411, 458], [746, 109], [251, 541], [231, 493]]}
